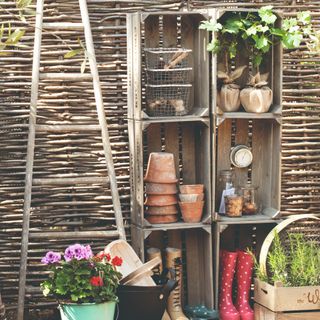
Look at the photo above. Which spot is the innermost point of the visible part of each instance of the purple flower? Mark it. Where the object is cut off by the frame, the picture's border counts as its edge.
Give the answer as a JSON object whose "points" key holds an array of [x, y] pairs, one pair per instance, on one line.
{"points": [[78, 252], [88, 252], [51, 257]]}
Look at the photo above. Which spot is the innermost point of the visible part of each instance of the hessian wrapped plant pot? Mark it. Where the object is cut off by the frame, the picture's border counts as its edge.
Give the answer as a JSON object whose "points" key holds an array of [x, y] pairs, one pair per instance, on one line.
{"points": [[228, 98], [86, 311], [257, 97]]}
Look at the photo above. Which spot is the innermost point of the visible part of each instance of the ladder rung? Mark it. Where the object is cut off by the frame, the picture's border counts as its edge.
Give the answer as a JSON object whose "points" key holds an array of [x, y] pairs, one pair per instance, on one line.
{"points": [[74, 234], [67, 127], [62, 25], [69, 181], [65, 76]]}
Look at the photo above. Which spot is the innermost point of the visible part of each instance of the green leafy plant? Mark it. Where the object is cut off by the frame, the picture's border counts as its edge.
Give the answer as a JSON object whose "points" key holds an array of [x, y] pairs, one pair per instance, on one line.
{"points": [[256, 32], [79, 277], [277, 261], [297, 265], [79, 51], [11, 37]]}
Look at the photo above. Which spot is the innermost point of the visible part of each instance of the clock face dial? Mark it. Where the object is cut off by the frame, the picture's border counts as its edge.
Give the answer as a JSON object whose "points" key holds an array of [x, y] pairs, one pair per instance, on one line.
{"points": [[241, 156]]}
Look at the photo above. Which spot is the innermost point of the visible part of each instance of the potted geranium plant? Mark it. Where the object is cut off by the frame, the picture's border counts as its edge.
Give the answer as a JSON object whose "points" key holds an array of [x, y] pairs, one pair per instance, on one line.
{"points": [[253, 34], [84, 285]]}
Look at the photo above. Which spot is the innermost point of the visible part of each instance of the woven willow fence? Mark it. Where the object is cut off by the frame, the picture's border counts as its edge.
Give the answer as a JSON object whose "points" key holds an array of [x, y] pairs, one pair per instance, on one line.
{"points": [[90, 208]]}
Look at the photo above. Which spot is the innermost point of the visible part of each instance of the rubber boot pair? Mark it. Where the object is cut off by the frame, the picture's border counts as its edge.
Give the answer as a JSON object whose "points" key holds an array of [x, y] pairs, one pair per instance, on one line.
{"points": [[173, 261], [243, 263]]}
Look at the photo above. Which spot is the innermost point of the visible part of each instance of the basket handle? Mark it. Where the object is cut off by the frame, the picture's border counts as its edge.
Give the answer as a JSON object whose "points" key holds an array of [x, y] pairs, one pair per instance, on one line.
{"points": [[268, 240], [141, 272]]}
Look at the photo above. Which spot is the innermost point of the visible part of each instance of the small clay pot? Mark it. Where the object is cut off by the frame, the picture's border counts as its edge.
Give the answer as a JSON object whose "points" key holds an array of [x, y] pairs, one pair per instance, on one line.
{"points": [[161, 188], [191, 197], [161, 200], [191, 211], [192, 188], [162, 219], [161, 168], [162, 210]]}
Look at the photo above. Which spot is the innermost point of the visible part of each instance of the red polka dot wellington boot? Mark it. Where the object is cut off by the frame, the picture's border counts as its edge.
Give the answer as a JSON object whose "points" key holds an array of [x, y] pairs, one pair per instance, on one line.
{"points": [[244, 274], [226, 308]]}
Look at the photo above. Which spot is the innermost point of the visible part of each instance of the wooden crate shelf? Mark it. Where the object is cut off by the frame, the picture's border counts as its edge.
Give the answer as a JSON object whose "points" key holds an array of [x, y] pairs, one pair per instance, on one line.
{"points": [[262, 313], [272, 64], [196, 245], [168, 30], [263, 136], [231, 237], [190, 144]]}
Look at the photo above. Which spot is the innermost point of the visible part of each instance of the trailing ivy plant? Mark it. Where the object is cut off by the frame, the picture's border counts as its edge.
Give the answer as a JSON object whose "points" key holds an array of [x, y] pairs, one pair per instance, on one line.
{"points": [[257, 33]]}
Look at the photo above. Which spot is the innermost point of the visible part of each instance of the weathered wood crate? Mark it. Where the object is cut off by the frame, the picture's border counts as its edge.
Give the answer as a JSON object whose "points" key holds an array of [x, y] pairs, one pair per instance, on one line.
{"points": [[271, 64], [262, 313], [167, 30], [196, 245], [190, 144], [279, 298], [263, 137]]}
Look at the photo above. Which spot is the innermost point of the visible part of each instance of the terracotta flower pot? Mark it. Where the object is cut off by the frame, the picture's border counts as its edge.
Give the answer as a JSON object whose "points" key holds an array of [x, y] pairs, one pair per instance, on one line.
{"points": [[161, 188], [161, 200], [191, 197], [161, 168], [162, 210], [192, 188], [162, 219], [191, 211]]}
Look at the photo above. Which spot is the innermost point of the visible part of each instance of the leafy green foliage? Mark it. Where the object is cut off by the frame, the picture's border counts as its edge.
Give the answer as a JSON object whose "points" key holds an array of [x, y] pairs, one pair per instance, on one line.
{"points": [[278, 261], [298, 265], [11, 38], [256, 31], [91, 280], [80, 51]]}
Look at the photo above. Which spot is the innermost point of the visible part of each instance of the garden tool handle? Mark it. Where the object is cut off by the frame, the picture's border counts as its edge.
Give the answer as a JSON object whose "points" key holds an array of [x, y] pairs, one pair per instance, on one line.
{"points": [[141, 272]]}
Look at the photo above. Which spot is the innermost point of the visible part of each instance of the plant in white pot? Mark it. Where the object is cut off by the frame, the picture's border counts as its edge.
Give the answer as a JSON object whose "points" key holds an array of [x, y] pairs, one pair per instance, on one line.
{"points": [[253, 34], [84, 285]]}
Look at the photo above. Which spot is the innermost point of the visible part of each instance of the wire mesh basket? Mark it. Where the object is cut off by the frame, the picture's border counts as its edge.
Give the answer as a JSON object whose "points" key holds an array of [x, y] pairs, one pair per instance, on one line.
{"points": [[167, 58], [170, 76], [168, 100]]}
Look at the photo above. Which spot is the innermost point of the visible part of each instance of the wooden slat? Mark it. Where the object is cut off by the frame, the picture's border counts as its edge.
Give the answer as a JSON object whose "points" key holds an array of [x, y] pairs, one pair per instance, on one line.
{"points": [[69, 181], [223, 142], [74, 235], [30, 159], [62, 26], [242, 137], [65, 76], [102, 117], [66, 128], [187, 41]]}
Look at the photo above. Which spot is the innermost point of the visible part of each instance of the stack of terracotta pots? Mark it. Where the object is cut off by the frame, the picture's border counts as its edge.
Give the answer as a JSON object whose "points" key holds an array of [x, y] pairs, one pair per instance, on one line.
{"points": [[161, 189], [191, 202]]}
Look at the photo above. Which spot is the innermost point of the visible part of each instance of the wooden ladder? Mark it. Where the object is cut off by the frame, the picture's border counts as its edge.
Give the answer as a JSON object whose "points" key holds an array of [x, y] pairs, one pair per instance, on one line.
{"points": [[33, 128]]}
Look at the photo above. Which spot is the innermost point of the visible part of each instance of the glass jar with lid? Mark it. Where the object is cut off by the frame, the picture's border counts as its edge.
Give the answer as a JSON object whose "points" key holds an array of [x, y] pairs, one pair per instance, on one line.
{"points": [[249, 202]]}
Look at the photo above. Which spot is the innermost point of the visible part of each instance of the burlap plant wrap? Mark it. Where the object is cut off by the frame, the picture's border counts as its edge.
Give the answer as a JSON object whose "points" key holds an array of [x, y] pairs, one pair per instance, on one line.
{"points": [[257, 97], [228, 98]]}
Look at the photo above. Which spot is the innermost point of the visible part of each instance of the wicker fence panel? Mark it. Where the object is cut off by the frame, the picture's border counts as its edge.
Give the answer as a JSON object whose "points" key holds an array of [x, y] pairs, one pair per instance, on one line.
{"points": [[68, 154]]}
